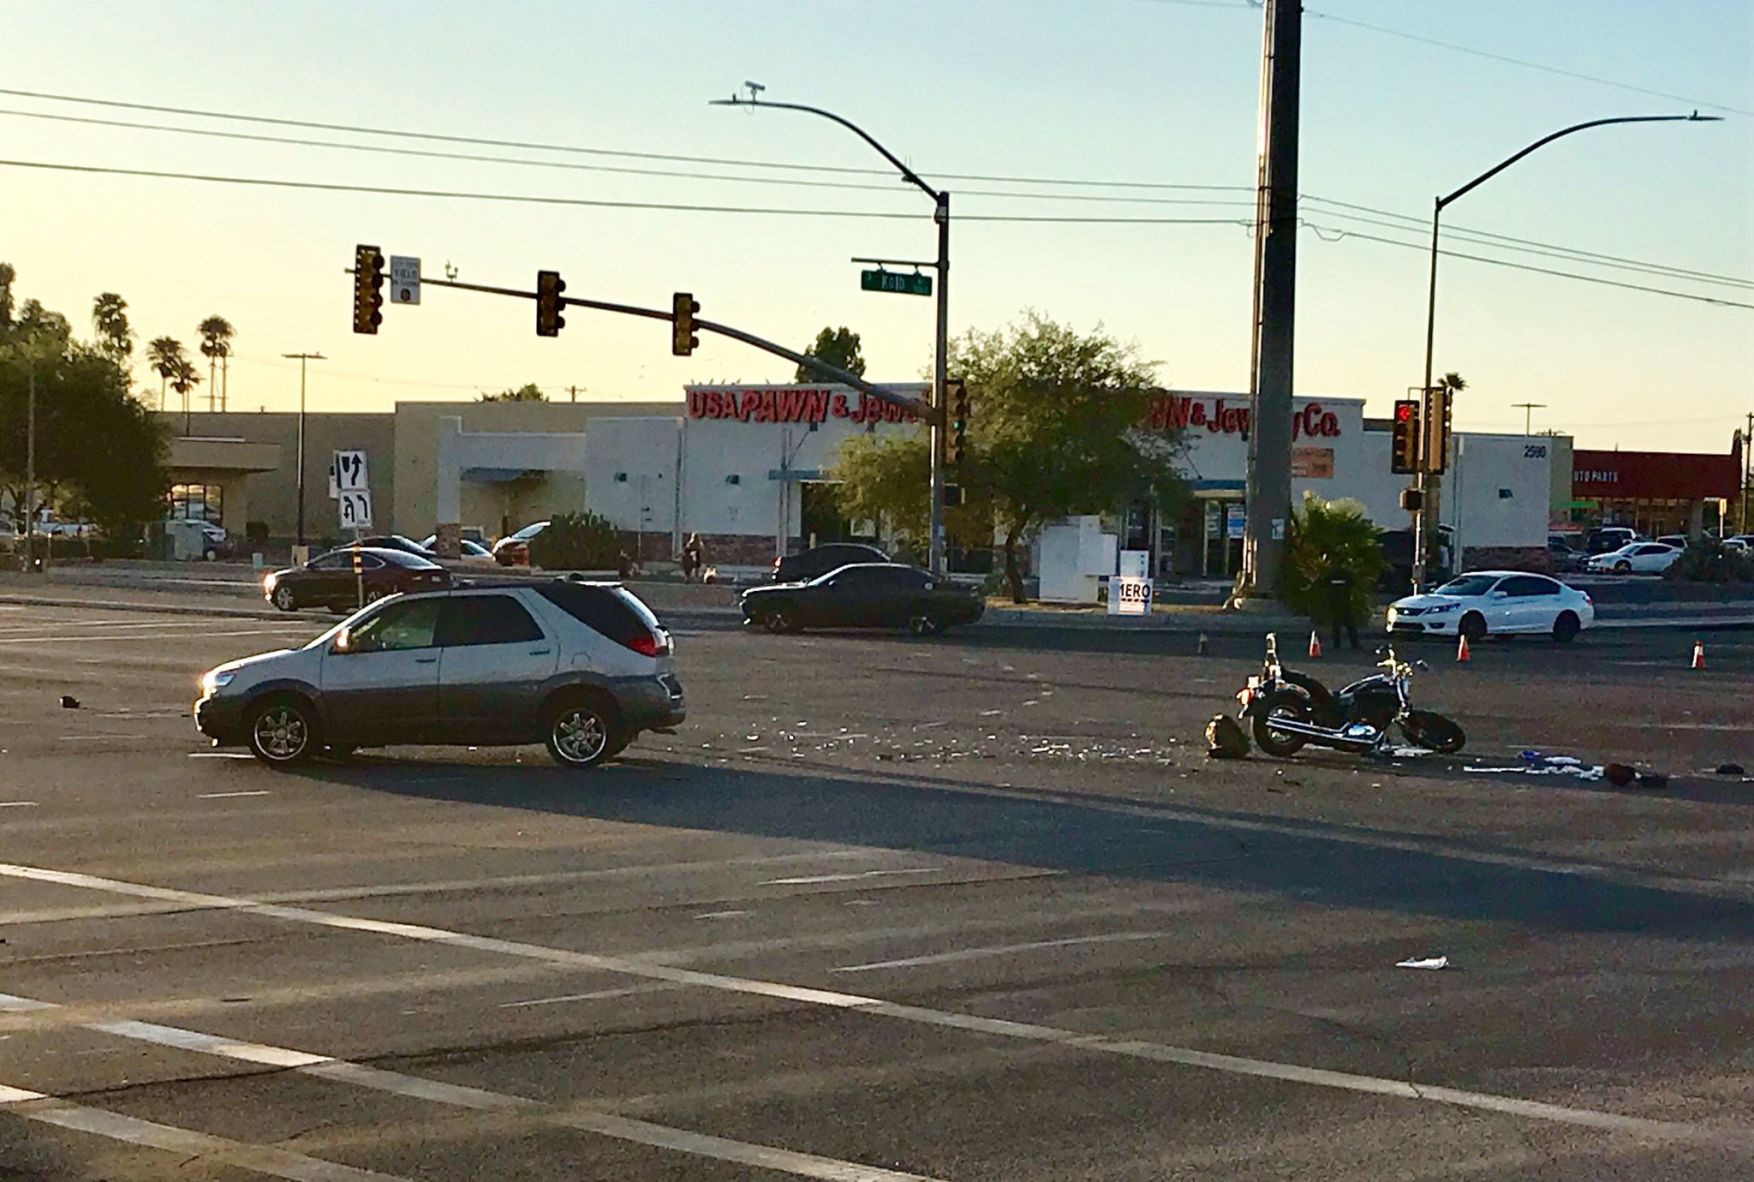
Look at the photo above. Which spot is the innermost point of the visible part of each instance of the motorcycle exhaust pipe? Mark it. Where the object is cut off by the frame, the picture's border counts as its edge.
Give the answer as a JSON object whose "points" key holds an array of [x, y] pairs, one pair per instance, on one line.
{"points": [[1310, 730]]}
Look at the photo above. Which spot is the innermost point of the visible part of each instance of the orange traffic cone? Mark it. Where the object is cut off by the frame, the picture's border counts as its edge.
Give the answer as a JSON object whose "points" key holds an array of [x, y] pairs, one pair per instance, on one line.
{"points": [[1315, 645], [1462, 653], [1699, 654]]}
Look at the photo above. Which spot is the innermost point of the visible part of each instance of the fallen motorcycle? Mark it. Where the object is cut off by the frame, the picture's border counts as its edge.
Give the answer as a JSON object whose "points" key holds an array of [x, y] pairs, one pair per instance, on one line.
{"points": [[1286, 710]]}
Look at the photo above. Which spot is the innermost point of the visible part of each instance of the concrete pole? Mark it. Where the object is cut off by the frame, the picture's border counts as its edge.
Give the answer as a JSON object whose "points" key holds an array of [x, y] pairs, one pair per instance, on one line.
{"points": [[1269, 475], [30, 472], [940, 368]]}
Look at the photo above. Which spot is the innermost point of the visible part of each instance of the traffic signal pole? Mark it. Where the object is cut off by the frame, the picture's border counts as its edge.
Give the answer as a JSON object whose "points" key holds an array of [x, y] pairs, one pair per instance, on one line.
{"points": [[917, 405]]}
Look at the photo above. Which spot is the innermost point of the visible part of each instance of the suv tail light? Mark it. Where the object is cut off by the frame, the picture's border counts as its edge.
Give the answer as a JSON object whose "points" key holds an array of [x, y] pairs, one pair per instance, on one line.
{"points": [[648, 645]]}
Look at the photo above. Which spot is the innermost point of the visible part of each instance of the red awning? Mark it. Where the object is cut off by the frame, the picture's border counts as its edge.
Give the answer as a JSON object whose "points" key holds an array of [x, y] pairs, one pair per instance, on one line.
{"points": [[1655, 475]]}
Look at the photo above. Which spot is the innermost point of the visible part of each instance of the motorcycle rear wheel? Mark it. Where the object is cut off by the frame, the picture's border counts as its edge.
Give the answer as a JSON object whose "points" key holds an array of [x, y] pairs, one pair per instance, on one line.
{"points": [[1434, 732], [1284, 704]]}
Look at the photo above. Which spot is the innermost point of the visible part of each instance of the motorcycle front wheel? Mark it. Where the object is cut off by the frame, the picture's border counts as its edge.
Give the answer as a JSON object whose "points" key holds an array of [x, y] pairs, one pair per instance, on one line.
{"points": [[1284, 704], [1434, 732]]}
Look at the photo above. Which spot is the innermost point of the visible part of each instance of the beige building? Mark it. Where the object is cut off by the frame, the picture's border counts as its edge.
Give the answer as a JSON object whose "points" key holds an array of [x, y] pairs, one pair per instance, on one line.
{"points": [[239, 467]]}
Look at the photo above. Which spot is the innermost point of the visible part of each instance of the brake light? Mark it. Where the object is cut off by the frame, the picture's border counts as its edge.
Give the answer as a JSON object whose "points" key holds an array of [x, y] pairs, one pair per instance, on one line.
{"points": [[776, 564], [647, 645]]}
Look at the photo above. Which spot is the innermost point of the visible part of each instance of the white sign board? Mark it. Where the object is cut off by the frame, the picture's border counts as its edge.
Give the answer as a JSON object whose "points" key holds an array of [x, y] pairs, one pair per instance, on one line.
{"points": [[1234, 518], [404, 279], [334, 488], [355, 510], [349, 469], [1129, 595], [1136, 563]]}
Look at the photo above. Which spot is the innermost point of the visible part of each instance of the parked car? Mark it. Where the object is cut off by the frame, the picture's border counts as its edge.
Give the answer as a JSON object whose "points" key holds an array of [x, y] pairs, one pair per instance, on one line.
{"points": [[329, 581], [1741, 543], [582, 667], [1609, 537], [1644, 558], [1562, 556], [1678, 541], [395, 542], [469, 552], [819, 560], [863, 595], [514, 549], [1493, 602]]}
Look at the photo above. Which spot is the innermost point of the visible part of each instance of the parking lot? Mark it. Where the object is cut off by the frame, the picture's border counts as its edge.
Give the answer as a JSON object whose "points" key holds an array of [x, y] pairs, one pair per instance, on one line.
{"points": [[972, 907]]}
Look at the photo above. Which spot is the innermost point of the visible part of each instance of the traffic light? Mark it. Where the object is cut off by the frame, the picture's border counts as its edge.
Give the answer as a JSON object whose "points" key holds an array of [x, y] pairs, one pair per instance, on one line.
{"points": [[549, 285], [956, 422], [368, 281], [1404, 444], [1437, 415], [682, 309]]}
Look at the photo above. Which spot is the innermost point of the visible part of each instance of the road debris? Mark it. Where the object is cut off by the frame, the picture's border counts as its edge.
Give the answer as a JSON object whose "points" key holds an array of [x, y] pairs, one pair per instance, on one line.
{"points": [[1427, 962]]}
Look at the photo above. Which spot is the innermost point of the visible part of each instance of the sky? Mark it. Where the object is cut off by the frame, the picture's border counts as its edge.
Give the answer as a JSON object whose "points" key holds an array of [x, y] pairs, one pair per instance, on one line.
{"points": [[1141, 96]]}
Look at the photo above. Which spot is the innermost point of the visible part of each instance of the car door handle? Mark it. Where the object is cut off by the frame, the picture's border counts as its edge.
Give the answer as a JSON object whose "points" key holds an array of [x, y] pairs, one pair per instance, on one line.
{"points": [[425, 660], [540, 652]]}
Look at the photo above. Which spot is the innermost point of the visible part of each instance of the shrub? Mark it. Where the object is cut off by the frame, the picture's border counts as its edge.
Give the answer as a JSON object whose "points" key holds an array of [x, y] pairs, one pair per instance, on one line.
{"points": [[1325, 534], [1708, 561], [576, 541]]}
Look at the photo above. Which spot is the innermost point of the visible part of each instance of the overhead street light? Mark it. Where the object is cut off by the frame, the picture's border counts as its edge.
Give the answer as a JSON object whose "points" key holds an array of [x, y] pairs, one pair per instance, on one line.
{"points": [[941, 215], [1420, 517]]}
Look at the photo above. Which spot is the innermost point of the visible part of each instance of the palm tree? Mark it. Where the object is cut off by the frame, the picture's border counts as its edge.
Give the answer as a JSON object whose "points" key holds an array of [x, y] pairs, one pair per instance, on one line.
{"points": [[184, 379], [1453, 382], [216, 333], [109, 316], [165, 355]]}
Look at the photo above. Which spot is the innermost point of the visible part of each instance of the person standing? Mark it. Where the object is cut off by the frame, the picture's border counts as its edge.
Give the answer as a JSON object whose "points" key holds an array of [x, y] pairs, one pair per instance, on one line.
{"points": [[693, 558], [1342, 608]]}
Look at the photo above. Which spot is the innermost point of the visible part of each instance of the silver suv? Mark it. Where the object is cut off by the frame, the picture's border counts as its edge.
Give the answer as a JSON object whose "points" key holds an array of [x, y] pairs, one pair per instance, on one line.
{"points": [[583, 667]]}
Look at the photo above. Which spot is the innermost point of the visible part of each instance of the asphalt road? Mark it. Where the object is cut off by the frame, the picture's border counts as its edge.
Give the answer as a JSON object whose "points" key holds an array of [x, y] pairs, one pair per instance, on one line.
{"points": [[974, 909]]}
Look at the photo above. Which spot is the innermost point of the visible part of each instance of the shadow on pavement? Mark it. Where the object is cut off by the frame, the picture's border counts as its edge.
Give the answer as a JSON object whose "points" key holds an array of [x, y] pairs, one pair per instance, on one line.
{"points": [[1323, 864]]}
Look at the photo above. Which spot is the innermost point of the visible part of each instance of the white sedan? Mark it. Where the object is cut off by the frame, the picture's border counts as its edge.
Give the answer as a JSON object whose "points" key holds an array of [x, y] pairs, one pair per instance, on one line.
{"points": [[1644, 558], [1495, 602]]}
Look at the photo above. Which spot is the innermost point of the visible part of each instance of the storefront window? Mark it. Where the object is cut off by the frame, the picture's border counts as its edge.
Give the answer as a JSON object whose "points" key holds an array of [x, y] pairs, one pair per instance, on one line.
{"points": [[197, 502]]}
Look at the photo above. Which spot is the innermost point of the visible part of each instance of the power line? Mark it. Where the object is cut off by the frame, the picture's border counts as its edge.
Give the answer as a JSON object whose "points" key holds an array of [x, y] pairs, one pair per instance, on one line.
{"points": [[1523, 62], [1526, 245], [1340, 232], [479, 141], [524, 161], [601, 203]]}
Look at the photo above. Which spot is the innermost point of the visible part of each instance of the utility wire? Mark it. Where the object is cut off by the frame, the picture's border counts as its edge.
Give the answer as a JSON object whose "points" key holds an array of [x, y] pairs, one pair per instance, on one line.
{"points": [[1523, 62], [525, 161], [1339, 233], [578, 150]]}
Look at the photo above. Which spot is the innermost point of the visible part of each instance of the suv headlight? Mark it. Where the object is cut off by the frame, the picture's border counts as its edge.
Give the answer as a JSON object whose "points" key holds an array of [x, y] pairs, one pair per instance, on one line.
{"points": [[215, 680]]}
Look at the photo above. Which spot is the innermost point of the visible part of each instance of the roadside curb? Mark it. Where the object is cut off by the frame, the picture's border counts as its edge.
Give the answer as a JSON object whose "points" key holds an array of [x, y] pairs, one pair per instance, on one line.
{"points": [[133, 605]]}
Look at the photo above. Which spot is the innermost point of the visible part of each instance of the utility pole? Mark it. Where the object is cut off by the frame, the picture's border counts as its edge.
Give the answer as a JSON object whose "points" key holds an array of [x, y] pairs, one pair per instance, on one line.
{"points": [[1269, 473], [1747, 467], [302, 359], [30, 474], [573, 392], [1529, 409]]}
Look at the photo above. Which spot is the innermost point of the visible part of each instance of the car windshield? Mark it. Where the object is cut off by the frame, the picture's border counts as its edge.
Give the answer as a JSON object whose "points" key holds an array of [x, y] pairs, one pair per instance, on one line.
{"points": [[1468, 585]]}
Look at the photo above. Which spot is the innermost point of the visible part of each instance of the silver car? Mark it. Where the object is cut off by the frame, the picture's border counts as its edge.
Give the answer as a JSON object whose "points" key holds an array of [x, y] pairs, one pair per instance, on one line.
{"points": [[583, 667]]}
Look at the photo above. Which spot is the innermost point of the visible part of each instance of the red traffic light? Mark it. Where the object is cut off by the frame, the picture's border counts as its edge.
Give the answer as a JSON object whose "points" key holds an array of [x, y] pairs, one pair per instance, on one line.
{"points": [[1403, 412]]}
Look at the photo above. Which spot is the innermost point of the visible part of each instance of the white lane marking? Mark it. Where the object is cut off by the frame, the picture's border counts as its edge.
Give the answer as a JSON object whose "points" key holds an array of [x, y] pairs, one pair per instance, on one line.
{"points": [[60, 914], [833, 999], [261, 1159], [83, 638], [733, 914], [596, 995], [812, 879], [220, 755], [579, 1117], [1000, 950], [18, 804], [229, 795]]}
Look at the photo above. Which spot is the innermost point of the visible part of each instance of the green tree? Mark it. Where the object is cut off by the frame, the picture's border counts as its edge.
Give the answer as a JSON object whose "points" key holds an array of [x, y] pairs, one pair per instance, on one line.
{"points": [[1055, 429], [109, 317], [216, 333], [837, 346], [1453, 382], [1325, 535], [528, 392], [8, 275], [165, 355], [576, 541]]}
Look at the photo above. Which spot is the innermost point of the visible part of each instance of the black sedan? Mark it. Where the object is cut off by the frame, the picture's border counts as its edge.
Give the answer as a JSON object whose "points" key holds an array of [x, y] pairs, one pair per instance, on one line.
{"points": [[820, 560], [863, 595], [396, 542], [329, 579]]}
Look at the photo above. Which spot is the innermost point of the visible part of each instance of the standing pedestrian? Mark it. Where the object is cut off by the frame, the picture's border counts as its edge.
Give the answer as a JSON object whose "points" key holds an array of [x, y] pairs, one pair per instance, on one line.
{"points": [[1342, 609], [693, 558]]}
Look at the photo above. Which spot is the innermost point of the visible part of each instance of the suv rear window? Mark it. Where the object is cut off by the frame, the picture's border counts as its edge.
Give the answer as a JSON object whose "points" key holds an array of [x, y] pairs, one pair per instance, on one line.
{"points": [[613, 611]]}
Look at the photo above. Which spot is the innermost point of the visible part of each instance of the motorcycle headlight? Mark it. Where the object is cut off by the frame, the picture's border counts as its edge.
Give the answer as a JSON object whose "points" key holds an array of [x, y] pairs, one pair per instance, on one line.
{"points": [[216, 680]]}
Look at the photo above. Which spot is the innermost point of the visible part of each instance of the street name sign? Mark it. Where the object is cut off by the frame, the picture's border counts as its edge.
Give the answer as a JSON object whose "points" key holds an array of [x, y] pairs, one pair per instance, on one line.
{"points": [[916, 283]]}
